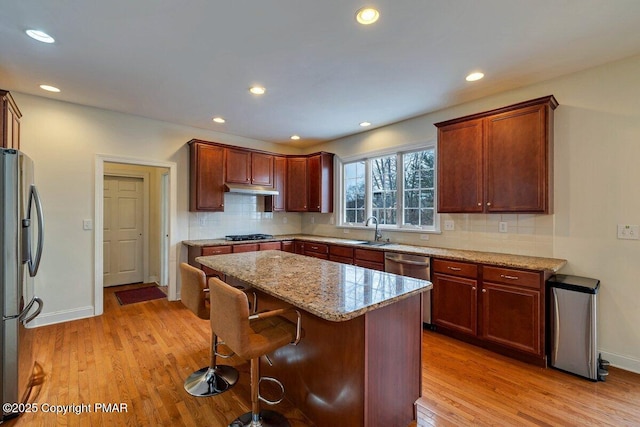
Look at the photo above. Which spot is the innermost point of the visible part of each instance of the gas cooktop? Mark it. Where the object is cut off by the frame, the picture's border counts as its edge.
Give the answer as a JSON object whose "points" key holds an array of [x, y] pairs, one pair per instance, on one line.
{"points": [[238, 237]]}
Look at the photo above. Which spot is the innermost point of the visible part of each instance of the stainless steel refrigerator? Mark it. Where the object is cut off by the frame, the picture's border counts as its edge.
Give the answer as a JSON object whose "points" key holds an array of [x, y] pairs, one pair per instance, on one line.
{"points": [[21, 234]]}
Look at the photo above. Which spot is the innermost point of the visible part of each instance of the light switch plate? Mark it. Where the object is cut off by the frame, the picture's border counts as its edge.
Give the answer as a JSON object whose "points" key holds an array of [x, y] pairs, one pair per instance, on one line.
{"points": [[87, 224], [503, 227], [628, 232], [449, 225]]}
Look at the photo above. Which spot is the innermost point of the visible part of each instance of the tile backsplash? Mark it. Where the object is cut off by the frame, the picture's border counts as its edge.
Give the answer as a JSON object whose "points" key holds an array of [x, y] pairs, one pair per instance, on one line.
{"points": [[243, 214]]}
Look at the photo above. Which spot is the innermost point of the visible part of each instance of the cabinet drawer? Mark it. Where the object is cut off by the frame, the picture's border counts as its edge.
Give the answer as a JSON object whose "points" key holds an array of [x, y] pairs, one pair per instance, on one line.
{"points": [[216, 250], [270, 246], [317, 255], [341, 259], [288, 246], [369, 264], [511, 277], [369, 255], [341, 251], [454, 268], [316, 247], [247, 247]]}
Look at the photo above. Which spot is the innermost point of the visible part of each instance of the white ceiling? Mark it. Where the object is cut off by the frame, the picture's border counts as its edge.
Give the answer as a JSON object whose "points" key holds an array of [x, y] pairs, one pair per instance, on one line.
{"points": [[187, 61]]}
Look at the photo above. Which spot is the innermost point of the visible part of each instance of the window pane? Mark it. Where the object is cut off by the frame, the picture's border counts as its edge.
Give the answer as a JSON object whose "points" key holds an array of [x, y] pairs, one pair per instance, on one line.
{"points": [[354, 191], [419, 187]]}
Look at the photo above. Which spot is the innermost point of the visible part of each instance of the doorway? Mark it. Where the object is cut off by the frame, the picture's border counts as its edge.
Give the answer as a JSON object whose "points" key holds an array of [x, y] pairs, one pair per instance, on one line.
{"points": [[159, 200]]}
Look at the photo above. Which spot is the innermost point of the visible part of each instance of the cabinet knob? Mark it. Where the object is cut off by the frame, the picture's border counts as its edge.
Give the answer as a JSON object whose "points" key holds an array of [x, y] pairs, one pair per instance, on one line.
{"points": [[484, 291], [221, 204], [479, 204], [488, 203], [473, 288], [318, 207]]}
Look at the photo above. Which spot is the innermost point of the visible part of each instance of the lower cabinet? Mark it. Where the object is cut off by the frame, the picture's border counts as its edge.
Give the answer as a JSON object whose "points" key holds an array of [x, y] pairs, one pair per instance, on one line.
{"points": [[368, 258], [499, 308]]}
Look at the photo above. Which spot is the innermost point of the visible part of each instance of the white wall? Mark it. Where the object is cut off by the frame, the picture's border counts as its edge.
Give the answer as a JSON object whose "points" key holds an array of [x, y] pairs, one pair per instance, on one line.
{"points": [[597, 172], [63, 140]]}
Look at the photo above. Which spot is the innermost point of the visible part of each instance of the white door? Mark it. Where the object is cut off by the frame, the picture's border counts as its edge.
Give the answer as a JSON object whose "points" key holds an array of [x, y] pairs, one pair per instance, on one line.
{"points": [[123, 210]]}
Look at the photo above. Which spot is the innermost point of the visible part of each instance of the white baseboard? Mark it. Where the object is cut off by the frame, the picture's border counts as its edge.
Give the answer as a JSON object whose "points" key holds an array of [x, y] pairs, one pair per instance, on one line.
{"points": [[62, 316], [623, 362]]}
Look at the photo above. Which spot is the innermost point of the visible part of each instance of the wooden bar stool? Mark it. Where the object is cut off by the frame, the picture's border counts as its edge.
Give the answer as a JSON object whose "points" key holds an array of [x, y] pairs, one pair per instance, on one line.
{"points": [[213, 379], [252, 336]]}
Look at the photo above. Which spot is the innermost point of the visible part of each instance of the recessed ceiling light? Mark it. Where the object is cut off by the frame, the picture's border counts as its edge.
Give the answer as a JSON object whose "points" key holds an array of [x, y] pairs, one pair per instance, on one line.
{"points": [[365, 124], [257, 90], [474, 76], [295, 137], [219, 120], [367, 15], [41, 36], [49, 88]]}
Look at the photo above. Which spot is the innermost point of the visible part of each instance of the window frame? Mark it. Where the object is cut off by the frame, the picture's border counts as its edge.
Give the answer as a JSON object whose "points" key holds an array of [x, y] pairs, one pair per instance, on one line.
{"points": [[398, 152]]}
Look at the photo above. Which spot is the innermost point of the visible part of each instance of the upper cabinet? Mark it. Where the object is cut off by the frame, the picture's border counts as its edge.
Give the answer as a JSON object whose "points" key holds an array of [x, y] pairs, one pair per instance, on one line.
{"points": [[498, 161], [310, 183], [297, 187], [9, 121], [248, 167], [206, 177], [304, 183]]}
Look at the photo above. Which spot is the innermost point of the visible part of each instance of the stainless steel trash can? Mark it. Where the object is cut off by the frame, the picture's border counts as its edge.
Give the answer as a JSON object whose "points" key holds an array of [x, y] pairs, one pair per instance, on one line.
{"points": [[574, 340]]}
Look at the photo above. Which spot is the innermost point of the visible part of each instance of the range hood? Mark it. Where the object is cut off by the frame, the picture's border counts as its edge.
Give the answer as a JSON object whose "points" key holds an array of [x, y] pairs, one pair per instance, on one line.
{"points": [[256, 190]]}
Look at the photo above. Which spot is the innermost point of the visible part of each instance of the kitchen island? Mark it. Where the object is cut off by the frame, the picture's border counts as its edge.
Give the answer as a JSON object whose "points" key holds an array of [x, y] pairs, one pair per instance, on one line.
{"points": [[359, 362]]}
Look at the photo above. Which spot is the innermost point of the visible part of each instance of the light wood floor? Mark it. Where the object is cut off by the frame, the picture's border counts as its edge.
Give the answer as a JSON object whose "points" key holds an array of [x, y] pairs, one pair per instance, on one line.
{"points": [[140, 355]]}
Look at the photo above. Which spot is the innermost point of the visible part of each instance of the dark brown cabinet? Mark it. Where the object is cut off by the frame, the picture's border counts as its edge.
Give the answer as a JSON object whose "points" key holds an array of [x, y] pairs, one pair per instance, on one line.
{"points": [[368, 258], [9, 121], [341, 254], [277, 203], [498, 161], [288, 246], [248, 167], [317, 250], [206, 186], [297, 193], [320, 182], [499, 308]]}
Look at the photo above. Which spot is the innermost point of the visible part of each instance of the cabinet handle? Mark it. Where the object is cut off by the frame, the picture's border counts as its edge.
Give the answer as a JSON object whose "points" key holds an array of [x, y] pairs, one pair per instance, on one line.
{"points": [[318, 207], [479, 204], [504, 276], [488, 203], [314, 247], [221, 204], [473, 288], [484, 291], [454, 268]]}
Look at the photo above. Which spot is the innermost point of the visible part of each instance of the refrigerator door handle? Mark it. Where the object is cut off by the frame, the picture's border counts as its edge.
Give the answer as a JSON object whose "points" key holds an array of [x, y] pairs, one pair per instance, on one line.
{"points": [[34, 199], [23, 318]]}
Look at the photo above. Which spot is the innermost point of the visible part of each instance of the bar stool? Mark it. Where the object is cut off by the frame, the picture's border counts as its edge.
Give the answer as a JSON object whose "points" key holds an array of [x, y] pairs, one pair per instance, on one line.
{"points": [[213, 379], [252, 336]]}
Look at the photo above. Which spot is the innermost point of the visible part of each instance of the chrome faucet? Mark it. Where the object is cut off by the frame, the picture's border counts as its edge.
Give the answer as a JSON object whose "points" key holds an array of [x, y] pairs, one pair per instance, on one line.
{"points": [[378, 234]]}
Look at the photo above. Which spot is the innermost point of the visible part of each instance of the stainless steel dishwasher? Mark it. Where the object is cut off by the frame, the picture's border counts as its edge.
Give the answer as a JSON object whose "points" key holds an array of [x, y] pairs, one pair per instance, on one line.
{"points": [[412, 266]]}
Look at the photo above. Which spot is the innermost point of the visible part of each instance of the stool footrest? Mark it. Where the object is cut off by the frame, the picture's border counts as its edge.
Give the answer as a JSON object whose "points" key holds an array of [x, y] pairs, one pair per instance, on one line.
{"points": [[273, 380]]}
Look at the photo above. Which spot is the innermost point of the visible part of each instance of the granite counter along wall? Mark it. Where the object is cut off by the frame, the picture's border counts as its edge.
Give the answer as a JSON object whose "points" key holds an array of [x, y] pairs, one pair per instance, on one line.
{"points": [[243, 214], [527, 234]]}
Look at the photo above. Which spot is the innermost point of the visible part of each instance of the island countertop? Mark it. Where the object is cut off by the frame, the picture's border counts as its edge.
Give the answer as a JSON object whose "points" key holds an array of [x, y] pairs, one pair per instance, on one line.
{"points": [[332, 291]]}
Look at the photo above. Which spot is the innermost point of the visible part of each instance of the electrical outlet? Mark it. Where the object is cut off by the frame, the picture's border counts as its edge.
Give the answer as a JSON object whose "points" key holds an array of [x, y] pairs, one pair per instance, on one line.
{"points": [[424, 237], [628, 232], [313, 219], [449, 225], [503, 227], [332, 220], [284, 220], [87, 224]]}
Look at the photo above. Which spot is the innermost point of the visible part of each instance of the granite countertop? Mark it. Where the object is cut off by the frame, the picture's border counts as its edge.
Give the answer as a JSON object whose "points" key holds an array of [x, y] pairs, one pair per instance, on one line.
{"points": [[329, 290], [490, 258]]}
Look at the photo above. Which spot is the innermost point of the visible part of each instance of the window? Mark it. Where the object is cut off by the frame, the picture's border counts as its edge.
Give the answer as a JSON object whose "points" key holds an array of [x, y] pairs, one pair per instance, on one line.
{"points": [[398, 189]]}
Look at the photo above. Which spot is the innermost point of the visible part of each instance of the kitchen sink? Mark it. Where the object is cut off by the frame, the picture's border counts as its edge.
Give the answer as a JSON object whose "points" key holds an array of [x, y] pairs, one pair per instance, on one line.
{"points": [[370, 243]]}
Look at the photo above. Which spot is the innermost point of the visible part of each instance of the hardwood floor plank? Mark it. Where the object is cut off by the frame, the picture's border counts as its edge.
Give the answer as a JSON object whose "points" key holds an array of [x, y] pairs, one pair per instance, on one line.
{"points": [[140, 354]]}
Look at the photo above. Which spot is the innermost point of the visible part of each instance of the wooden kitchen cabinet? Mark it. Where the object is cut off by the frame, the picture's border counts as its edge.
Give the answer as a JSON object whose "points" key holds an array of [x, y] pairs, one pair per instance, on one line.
{"points": [[341, 254], [368, 258], [270, 246], [498, 161], [9, 121], [455, 296], [206, 177], [277, 203], [317, 250], [499, 308], [288, 246], [320, 183], [246, 247], [248, 167], [196, 251], [297, 193]]}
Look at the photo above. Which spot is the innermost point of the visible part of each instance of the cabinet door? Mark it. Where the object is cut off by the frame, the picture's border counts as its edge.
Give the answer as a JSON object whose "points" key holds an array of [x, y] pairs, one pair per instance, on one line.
{"points": [[460, 180], [299, 248], [9, 121], [245, 247], [277, 203], [262, 169], [238, 163], [296, 184], [288, 246], [206, 177], [511, 317], [320, 183], [454, 302], [268, 246], [516, 161]]}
